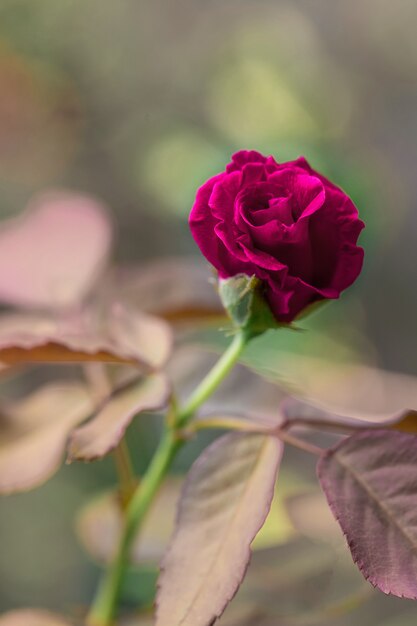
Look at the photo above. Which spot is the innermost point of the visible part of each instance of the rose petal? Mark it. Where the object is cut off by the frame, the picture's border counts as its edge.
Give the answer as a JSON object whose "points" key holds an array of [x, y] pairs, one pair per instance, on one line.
{"points": [[243, 157], [283, 223], [336, 259]]}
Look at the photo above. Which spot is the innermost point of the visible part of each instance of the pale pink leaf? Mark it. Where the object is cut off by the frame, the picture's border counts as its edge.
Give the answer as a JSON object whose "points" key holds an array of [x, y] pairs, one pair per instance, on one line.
{"points": [[146, 337], [225, 502], [105, 431], [119, 336], [32, 617], [34, 433], [370, 481], [344, 387], [296, 411], [176, 288], [52, 255]]}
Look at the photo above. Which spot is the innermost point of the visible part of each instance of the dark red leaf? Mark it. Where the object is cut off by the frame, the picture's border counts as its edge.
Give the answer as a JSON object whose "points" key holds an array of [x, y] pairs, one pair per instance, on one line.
{"points": [[370, 481]]}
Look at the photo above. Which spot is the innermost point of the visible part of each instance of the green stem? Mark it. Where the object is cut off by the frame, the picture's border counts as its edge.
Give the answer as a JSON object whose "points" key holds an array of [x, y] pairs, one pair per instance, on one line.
{"points": [[127, 480], [213, 379], [105, 604]]}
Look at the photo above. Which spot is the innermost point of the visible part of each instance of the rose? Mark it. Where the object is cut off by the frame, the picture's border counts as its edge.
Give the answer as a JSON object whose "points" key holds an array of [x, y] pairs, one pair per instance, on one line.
{"points": [[283, 223]]}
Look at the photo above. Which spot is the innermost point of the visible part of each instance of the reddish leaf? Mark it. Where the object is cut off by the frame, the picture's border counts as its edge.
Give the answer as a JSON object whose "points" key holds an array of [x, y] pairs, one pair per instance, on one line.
{"points": [[32, 617], [370, 481], [100, 522], [105, 431], [52, 255], [177, 289], [224, 503], [298, 411], [147, 338], [34, 432], [121, 336]]}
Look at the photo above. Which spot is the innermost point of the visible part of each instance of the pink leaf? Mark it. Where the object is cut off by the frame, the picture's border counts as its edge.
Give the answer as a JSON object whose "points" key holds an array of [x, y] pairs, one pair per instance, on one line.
{"points": [[119, 335], [177, 289], [297, 411], [370, 481], [34, 433], [224, 504], [349, 387], [32, 617], [51, 256], [105, 431]]}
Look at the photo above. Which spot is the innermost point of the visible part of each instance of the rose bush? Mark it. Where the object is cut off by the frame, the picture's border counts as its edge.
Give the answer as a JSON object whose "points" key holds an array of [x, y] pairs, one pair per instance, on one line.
{"points": [[283, 223]]}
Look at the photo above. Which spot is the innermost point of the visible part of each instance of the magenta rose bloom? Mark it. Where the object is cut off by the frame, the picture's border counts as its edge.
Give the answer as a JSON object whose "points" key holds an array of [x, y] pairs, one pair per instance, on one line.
{"points": [[283, 223]]}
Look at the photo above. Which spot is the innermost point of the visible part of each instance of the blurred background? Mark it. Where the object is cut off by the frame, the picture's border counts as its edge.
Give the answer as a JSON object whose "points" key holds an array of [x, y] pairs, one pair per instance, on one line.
{"points": [[137, 104]]}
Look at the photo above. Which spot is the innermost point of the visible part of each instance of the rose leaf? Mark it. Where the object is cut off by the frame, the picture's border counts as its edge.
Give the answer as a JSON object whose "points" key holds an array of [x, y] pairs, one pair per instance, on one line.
{"points": [[34, 433], [296, 411], [176, 288], [119, 336], [105, 431], [225, 501], [51, 256], [370, 481], [32, 617]]}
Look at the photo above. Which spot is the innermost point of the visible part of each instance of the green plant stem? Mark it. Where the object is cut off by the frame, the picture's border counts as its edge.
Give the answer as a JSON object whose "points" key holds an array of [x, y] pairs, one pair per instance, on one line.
{"points": [[210, 383], [127, 480], [105, 604]]}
